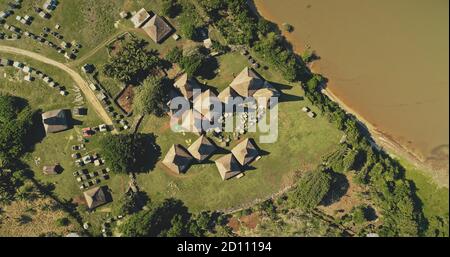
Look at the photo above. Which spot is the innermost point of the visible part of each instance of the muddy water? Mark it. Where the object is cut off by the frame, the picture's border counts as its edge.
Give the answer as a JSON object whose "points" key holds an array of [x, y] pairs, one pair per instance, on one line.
{"points": [[387, 60]]}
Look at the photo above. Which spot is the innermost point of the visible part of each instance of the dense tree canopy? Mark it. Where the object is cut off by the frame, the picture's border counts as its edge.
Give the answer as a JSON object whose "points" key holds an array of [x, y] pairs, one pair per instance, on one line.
{"points": [[167, 218], [130, 152], [170, 8], [189, 20], [132, 63], [151, 97], [311, 189], [15, 122]]}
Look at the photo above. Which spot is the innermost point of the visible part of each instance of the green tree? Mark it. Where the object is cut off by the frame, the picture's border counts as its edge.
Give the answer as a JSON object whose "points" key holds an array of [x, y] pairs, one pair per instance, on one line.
{"points": [[63, 222], [192, 61], [129, 152], [167, 218], [175, 55], [311, 189], [170, 8], [15, 122], [133, 63], [151, 97]]}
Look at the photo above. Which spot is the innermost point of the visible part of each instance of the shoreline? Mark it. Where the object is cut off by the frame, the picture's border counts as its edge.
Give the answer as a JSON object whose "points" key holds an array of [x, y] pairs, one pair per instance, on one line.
{"points": [[382, 139]]}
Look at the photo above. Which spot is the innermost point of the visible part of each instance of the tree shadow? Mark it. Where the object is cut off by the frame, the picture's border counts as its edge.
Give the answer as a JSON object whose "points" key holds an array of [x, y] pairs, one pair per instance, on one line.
{"points": [[208, 69], [151, 153], [290, 98], [339, 187], [280, 86], [37, 133]]}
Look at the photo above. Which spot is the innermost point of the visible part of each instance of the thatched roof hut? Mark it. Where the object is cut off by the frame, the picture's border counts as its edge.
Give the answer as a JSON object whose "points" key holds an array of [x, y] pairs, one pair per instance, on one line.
{"points": [[228, 166], [187, 86], [227, 94], [157, 28], [191, 121], [177, 159], [245, 152], [247, 82], [55, 121], [95, 197], [263, 95], [205, 102], [202, 148]]}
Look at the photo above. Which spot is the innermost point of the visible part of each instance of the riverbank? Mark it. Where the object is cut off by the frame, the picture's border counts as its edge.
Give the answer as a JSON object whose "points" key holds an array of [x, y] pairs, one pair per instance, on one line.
{"points": [[435, 168]]}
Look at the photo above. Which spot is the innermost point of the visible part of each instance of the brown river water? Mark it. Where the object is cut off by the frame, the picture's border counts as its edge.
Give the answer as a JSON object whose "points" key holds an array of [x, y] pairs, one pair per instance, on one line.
{"points": [[387, 60]]}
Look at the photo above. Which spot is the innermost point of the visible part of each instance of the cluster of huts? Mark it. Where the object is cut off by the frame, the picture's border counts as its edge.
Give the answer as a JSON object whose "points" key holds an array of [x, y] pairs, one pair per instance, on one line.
{"points": [[31, 73], [178, 159], [247, 84], [156, 27]]}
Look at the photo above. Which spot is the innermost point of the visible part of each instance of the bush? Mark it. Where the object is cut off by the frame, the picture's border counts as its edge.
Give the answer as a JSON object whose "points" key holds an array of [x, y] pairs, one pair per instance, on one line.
{"points": [[174, 55], [63, 222], [311, 189], [129, 152], [133, 63], [170, 8], [151, 97], [168, 218], [192, 61], [16, 122]]}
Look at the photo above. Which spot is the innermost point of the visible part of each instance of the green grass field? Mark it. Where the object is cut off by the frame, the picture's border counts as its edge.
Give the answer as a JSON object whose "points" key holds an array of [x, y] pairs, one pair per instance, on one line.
{"points": [[301, 143], [435, 199]]}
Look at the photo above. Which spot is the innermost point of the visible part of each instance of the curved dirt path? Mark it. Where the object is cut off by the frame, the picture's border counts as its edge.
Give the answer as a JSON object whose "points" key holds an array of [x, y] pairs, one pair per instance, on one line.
{"points": [[82, 84]]}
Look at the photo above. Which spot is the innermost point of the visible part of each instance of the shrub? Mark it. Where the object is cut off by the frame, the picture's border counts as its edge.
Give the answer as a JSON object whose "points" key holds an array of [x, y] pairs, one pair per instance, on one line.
{"points": [[311, 189]]}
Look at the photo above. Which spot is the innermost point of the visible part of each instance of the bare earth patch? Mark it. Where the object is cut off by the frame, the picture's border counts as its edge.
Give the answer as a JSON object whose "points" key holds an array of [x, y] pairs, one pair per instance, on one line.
{"points": [[125, 99], [349, 200]]}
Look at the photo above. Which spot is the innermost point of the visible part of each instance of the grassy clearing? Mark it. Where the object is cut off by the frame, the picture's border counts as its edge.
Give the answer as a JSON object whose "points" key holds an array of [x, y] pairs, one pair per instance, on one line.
{"points": [[301, 143], [87, 22], [434, 199]]}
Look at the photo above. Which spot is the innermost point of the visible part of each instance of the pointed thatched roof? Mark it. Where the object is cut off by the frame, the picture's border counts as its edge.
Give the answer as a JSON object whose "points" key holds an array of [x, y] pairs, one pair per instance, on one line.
{"points": [[95, 197], [228, 166], [226, 94], [187, 86], [247, 82], [157, 28], [202, 148], [191, 121], [245, 152], [264, 94], [177, 159], [205, 102], [55, 121]]}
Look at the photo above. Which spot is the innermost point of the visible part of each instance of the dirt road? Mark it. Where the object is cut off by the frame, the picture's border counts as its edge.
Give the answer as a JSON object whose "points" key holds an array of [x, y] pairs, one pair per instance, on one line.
{"points": [[81, 83]]}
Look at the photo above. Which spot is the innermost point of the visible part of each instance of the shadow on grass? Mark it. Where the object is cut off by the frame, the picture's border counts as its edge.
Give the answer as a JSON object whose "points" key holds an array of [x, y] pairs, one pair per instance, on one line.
{"points": [[339, 187], [150, 154]]}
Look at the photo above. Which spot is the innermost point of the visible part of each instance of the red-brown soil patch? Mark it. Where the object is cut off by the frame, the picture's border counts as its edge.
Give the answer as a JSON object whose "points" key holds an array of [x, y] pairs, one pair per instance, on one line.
{"points": [[125, 100]]}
